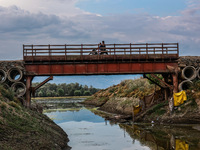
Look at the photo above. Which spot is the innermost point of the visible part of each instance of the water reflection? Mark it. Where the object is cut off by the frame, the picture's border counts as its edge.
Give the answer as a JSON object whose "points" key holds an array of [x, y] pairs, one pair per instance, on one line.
{"points": [[160, 137], [61, 104], [88, 131]]}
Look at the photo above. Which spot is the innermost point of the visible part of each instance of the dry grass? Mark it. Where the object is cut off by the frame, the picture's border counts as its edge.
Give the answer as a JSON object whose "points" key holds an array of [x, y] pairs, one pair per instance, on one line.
{"points": [[128, 88]]}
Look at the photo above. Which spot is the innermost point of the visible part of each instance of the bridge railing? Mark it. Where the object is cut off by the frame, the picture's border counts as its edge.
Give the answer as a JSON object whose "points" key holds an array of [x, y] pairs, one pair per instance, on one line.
{"points": [[82, 50]]}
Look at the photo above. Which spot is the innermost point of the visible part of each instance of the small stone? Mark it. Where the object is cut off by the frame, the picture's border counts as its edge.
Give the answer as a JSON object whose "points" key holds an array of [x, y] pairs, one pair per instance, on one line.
{"points": [[179, 108]]}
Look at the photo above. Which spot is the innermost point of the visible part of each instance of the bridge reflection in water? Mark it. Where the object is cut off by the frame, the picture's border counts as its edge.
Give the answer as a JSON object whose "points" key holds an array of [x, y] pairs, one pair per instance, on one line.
{"points": [[159, 137]]}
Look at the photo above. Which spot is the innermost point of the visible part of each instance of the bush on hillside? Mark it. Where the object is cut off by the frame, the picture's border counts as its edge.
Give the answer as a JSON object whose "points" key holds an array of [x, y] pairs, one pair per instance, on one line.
{"points": [[137, 88], [8, 93]]}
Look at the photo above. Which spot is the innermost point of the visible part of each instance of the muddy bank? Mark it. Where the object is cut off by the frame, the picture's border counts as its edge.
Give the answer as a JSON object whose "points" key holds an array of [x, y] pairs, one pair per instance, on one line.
{"points": [[122, 100], [23, 129]]}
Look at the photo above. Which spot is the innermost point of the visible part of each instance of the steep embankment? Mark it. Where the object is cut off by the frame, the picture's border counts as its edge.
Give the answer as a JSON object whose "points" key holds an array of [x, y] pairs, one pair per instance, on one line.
{"points": [[124, 98], [22, 129]]}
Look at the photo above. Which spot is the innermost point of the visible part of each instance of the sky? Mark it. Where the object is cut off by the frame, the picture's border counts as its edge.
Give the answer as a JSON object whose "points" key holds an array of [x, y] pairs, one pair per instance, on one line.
{"points": [[91, 21], [97, 81]]}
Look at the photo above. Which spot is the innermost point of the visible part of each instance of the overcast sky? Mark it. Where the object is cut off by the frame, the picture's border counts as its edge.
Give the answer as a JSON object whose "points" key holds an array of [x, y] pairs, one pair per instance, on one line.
{"points": [[91, 21]]}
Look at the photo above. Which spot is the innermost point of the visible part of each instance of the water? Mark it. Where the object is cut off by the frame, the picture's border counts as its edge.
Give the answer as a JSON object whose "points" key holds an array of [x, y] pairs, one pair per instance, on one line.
{"points": [[88, 131]]}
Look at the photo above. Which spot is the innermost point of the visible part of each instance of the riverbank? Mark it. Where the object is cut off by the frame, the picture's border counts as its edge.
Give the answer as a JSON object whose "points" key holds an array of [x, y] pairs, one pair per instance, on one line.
{"points": [[84, 127], [124, 98], [22, 128], [63, 97]]}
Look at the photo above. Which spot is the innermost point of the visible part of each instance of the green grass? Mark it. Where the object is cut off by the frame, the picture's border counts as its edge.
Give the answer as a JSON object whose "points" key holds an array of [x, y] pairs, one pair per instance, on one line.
{"points": [[15, 105], [89, 98], [103, 99], [3, 105], [157, 109], [7, 93], [5, 147], [111, 90], [126, 102], [160, 112]]}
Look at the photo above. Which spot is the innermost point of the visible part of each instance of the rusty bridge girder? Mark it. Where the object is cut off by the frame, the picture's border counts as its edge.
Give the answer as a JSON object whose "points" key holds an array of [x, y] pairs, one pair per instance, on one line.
{"points": [[98, 69]]}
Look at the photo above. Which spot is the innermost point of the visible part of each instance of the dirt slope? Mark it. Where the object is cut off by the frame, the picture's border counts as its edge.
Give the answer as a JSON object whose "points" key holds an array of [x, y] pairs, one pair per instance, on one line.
{"points": [[121, 99], [24, 129]]}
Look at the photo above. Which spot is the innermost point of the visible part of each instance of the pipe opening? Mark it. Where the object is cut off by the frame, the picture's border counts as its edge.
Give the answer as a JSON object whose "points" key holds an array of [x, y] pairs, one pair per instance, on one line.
{"points": [[185, 85], [189, 73], [19, 88], [15, 74], [3, 76]]}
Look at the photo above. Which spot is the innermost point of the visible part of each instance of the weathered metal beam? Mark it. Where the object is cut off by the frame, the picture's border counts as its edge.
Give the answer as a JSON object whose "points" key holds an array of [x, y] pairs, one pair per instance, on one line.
{"points": [[41, 84], [175, 83], [28, 90], [171, 87], [153, 81], [98, 68]]}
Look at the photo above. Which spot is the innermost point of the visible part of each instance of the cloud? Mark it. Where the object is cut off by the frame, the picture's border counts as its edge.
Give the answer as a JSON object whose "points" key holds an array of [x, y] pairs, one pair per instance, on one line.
{"points": [[16, 19], [57, 7], [20, 25]]}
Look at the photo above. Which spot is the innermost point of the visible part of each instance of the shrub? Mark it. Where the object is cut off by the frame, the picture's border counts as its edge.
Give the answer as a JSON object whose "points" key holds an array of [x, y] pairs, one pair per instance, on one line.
{"points": [[111, 90], [8, 93], [157, 108], [77, 93], [3, 105], [13, 104], [123, 83], [86, 93], [61, 92], [154, 79]]}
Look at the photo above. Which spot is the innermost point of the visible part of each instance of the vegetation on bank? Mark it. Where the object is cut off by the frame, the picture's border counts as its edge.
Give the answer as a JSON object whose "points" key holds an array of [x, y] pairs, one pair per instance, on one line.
{"points": [[136, 89], [22, 128], [123, 97], [59, 90]]}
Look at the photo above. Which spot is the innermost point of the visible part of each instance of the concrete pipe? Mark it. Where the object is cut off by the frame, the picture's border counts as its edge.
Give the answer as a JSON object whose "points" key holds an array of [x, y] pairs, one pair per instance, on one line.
{"points": [[198, 73], [184, 85], [15, 74], [189, 73], [19, 88], [6, 86], [3, 76]]}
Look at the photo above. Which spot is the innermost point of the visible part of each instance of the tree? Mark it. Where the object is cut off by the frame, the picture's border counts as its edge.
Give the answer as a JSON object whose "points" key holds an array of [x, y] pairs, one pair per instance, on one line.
{"points": [[87, 93], [48, 93], [54, 93], [63, 89], [77, 93], [40, 94], [61, 92], [71, 92]]}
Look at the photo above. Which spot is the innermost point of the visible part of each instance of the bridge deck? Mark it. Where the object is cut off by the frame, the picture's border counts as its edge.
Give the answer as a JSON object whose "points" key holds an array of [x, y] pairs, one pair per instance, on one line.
{"points": [[98, 58], [120, 58]]}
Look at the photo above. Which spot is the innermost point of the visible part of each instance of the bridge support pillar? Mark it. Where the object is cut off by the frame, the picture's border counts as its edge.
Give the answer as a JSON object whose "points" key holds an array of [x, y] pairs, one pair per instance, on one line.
{"points": [[28, 90], [175, 82], [166, 93]]}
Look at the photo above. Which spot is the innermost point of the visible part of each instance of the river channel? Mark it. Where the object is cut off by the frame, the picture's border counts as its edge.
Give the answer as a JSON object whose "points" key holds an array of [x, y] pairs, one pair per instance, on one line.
{"points": [[88, 131]]}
